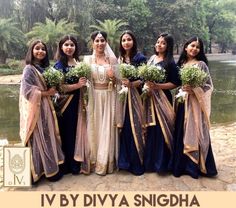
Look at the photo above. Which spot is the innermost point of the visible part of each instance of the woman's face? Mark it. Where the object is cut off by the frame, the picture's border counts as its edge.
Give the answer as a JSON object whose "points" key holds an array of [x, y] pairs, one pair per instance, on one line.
{"points": [[68, 48], [161, 45], [99, 44], [39, 52], [127, 42], [193, 49]]}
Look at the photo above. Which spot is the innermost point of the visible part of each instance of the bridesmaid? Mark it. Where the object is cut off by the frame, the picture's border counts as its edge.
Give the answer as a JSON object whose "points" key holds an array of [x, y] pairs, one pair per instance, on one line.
{"points": [[131, 135], [38, 122], [68, 103], [192, 146], [158, 110]]}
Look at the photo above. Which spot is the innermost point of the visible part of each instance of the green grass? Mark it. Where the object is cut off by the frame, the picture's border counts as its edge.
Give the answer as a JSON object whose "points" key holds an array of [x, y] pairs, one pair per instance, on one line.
{"points": [[8, 71]]}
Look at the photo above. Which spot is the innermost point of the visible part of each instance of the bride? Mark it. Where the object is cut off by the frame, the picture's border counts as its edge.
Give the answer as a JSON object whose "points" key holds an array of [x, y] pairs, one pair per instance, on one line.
{"points": [[102, 135]]}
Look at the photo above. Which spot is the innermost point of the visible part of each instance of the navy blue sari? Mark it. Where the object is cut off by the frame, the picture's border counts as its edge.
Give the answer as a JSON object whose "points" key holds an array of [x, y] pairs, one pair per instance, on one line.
{"points": [[128, 155], [157, 154], [67, 125], [199, 160], [180, 163]]}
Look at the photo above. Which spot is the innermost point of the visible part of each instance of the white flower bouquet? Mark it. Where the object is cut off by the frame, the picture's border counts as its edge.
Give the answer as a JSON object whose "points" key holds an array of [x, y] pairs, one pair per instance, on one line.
{"points": [[127, 71], [80, 70], [53, 77], [150, 73], [193, 76]]}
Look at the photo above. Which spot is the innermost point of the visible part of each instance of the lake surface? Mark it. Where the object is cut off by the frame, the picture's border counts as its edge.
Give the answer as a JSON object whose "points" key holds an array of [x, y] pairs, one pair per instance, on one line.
{"points": [[223, 74], [223, 100], [9, 112]]}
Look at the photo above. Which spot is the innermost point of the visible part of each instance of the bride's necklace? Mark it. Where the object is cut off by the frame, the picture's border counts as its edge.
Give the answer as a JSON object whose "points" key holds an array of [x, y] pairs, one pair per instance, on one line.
{"points": [[100, 72]]}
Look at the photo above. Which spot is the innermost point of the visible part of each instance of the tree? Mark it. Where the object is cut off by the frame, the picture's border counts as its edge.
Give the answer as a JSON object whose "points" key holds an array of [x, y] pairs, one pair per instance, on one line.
{"points": [[138, 13], [6, 9], [182, 27], [50, 32], [112, 28], [221, 21], [28, 12], [10, 38]]}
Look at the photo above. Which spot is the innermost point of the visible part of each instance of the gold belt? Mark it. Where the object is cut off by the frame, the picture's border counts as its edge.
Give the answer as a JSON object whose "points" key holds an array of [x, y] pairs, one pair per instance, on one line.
{"points": [[100, 86]]}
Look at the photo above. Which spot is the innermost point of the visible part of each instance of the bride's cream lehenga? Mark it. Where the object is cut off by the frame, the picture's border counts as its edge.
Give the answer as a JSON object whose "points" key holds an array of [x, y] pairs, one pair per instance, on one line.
{"points": [[102, 133]]}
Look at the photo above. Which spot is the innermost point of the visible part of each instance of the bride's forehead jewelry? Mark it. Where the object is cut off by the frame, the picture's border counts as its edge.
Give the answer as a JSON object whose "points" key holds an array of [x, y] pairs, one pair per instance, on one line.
{"points": [[69, 37], [197, 40], [99, 35]]}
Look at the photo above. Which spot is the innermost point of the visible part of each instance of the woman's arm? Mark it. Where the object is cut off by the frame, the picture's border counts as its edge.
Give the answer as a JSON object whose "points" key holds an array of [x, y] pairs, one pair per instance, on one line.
{"points": [[71, 87]]}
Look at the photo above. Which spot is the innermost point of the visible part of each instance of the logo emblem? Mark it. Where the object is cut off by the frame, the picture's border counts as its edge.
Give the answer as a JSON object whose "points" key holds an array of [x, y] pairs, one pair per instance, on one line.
{"points": [[17, 166]]}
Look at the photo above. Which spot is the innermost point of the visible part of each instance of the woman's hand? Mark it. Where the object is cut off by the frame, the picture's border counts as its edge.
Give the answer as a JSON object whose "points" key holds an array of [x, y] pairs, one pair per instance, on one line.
{"points": [[152, 85], [187, 88], [110, 73], [50, 92], [125, 82], [82, 82]]}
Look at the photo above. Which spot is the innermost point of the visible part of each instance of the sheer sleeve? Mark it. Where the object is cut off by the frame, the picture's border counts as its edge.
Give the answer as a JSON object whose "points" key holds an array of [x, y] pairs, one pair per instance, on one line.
{"points": [[29, 83], [209, 84]]}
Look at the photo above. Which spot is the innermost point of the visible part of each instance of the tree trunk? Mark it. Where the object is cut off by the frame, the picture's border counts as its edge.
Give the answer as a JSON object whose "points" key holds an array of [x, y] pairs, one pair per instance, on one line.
{"points": [[3, 57], [210, 50], [177, 48], [223, 48]]}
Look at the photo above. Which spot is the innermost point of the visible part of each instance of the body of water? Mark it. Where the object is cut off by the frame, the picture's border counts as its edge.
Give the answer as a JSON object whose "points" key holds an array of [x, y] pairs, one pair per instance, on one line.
{"points": [[223, 104], [223, 100], [9, 112]]}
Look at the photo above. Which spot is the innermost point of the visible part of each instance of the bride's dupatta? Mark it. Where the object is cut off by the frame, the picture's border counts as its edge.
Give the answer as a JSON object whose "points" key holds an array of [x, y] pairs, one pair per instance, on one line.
{"points": [[84, 131], [159, 104], [38, 124], [81, 153], [197, 123]]}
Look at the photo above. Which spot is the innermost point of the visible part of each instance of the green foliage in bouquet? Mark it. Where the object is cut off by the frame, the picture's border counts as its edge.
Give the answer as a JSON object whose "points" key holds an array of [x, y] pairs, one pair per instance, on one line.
{"points": [[151, 73], [193, 76], [53, 77], [80, 70], [128, 71]]}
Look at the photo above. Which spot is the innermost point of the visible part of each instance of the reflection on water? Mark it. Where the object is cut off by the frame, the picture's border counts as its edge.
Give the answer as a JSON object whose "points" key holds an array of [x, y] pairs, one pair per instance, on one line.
{"points": [[223, 100], [230, 62]]}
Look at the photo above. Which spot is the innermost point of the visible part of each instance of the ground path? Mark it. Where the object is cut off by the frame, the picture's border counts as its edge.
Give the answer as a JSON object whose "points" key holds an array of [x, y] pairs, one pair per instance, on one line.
{"points": [[224, 147]]}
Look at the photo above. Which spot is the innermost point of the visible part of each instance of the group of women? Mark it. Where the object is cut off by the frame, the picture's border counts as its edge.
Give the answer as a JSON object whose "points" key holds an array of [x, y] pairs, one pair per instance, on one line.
{"points": [[106, 134]]}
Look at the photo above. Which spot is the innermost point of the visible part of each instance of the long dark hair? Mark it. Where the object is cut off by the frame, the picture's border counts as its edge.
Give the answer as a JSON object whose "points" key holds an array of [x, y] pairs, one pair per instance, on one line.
{"points": [[200, 56], [95, 33], [29, 59], [60, 55], [168, 57], [133, 49]]}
